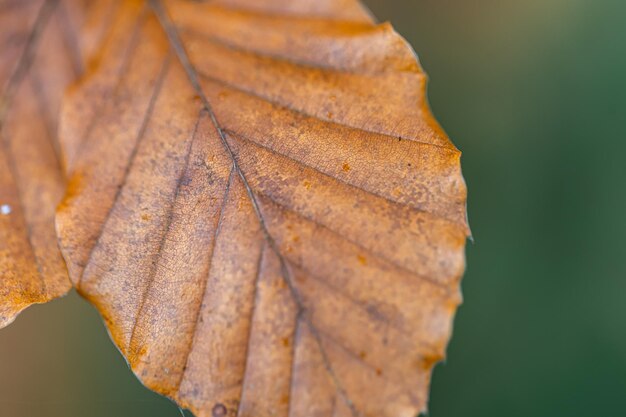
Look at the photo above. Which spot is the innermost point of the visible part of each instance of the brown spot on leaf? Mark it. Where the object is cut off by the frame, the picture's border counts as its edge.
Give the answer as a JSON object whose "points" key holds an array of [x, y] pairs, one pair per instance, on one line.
{"points": [[219, 410], [428, 361]]}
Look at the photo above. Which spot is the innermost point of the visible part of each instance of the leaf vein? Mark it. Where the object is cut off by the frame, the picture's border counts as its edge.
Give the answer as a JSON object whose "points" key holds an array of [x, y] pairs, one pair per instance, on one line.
{"points": [[353, 242], [128, 53], [277, 58], [339, 180], [131, 161], [176, 43], [198, 313], [312, 116], [249, 335], [166, 230]]}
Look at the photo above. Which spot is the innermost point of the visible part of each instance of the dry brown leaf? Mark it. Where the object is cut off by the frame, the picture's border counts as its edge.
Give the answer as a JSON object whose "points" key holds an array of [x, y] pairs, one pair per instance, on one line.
{"points": [[40, 57], [263, 208]]}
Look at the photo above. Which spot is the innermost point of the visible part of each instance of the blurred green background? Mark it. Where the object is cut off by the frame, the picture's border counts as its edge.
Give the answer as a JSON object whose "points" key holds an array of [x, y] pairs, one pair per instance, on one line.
{"points": [[534, 93]]}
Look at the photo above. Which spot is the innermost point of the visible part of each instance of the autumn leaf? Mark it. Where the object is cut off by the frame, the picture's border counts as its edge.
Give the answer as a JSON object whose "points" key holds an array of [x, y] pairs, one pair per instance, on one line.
{"points": [[40, 57], [263, 208]]}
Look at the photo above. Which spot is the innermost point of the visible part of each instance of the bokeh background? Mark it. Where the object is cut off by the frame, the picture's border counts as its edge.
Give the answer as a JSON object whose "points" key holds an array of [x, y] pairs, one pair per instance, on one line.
{"points": [[534, 94]]}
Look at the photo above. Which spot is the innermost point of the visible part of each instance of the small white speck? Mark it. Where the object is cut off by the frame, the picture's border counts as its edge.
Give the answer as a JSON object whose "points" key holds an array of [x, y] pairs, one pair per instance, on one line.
{"points": [[5, 209]]}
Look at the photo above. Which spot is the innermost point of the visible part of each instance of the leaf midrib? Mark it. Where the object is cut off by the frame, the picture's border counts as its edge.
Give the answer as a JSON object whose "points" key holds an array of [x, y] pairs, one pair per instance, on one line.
{"points": [[192, 74]]}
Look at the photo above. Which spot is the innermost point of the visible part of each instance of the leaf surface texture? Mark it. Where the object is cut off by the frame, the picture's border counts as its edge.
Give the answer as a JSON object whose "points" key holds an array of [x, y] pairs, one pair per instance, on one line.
{"points": [[263, 208]]}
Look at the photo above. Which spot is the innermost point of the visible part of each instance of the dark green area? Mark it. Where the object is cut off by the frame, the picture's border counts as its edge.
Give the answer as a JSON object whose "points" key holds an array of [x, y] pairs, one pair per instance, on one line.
{"points": [[534, 93], [57, 360]]}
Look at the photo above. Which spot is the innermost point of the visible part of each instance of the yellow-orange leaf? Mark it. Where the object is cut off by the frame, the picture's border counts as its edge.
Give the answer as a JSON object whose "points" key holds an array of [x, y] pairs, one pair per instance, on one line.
{"points": [[263, 208], [39, 58]]}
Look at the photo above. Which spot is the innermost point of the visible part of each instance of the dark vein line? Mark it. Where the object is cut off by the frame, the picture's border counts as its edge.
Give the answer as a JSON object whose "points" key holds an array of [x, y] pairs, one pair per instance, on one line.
{"points": [[44, 109], [344, 182], [292, 370], [359, 304], [198, 314], [23, 66], [69, 37], [327, 364], [368, 365], [286, 60], [27, 57], [131, 161], [353, 242], [251, 321], [301, 112], [331, 338], [166, 229], [402, 333], [123, 69], [176, 43]]}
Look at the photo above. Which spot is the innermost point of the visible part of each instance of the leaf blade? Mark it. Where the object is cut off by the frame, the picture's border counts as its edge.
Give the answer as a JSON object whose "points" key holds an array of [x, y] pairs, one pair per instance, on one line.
{"points": [[39, 59], [174, 308]]}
